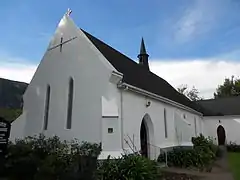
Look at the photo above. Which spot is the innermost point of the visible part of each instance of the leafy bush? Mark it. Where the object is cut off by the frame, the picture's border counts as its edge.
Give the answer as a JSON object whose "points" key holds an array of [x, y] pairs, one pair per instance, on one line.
{"points": [[128, 167], [205, 143], [206, 146], [181, 157], [233, 147], [201, 155], [39, 157], [109, 169]]}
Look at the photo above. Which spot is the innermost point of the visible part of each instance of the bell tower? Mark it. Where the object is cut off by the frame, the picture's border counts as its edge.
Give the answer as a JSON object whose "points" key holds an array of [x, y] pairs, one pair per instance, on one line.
{"points": [[143, 56]]}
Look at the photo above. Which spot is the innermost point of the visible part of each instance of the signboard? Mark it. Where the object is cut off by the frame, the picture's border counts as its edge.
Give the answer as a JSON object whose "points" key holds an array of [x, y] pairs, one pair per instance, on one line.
{"points": [[4, 135]]}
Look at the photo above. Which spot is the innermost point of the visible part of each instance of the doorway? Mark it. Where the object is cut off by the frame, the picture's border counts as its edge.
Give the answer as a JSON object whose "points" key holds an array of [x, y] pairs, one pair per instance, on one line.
{"points": [[144, 139], [221, 135], [147, 141]]}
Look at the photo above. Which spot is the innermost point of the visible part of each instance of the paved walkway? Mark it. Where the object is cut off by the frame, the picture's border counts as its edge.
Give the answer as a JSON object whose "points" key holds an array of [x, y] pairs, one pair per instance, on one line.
{"points": [[220, 171]]}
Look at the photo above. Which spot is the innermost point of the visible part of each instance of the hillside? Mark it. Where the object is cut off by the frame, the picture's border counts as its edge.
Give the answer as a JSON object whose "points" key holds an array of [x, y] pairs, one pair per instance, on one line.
{"points": [[11, 93]]}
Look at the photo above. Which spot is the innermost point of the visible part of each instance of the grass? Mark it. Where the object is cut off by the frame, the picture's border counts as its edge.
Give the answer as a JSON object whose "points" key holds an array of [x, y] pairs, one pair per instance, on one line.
{"points": [[234, 161]]}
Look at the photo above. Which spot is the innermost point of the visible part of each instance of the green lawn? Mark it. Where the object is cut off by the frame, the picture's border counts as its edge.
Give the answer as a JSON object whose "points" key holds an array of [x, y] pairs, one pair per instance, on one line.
{"points": [[234, 160]]}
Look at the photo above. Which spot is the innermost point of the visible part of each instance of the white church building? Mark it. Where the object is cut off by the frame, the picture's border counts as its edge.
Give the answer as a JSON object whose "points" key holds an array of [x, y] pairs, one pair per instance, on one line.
{"points": [[85, 89]]}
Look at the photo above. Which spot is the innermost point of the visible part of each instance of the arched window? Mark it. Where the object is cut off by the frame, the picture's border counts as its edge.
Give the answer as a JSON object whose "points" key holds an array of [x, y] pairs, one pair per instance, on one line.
{"points": [[70, 104], [165, 123], [46, 112]]}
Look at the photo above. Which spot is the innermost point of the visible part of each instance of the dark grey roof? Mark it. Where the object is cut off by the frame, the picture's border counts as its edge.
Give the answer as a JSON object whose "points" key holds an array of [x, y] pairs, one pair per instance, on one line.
{"points": [[140, 77], [222, 106]]}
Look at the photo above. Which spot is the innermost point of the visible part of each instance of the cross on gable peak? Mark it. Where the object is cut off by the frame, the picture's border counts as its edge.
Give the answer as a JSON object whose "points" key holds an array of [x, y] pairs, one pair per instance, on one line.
{"points": [[69, 11], [62, 42]]}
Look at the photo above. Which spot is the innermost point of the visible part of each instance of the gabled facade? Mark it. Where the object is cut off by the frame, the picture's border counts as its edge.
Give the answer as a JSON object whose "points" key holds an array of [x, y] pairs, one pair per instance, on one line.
{"points": [[222, 119], [87, 90]]}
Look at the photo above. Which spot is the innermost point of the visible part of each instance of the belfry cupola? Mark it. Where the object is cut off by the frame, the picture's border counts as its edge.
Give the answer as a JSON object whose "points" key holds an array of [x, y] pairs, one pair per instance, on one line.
{"points": [[143, 56]]}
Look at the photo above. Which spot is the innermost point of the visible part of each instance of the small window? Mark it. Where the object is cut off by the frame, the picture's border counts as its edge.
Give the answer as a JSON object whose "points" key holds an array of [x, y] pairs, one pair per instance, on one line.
{"points": [[165, 123], [110, 130]]}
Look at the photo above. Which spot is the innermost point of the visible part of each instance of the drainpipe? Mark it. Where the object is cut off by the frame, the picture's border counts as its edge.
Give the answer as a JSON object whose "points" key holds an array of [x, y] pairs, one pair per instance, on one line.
{"points": [[121, 96], [122, 88]]}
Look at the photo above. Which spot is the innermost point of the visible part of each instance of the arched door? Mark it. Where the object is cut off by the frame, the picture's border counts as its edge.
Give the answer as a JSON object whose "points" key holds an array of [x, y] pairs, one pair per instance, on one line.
{"points": [[147, 137], [221, 135], [144, 139]]}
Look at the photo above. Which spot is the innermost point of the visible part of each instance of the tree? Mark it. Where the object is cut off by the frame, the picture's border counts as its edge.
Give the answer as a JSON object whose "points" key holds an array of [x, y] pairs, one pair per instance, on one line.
{"points": [[230, 87], [192, 94]]}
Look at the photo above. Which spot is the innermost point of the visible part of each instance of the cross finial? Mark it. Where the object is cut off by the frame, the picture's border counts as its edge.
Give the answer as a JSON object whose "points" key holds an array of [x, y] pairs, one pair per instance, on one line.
{"points": [[69, 11]]}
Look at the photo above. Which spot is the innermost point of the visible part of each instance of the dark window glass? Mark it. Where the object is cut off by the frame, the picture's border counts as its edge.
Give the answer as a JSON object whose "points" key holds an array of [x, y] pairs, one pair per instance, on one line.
{"points": [[70, 103], [46, 112]]}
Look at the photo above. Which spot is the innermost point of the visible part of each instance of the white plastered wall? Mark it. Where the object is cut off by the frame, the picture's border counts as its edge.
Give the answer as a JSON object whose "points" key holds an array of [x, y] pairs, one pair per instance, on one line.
{"points": [[232, 127], [134, 109], [91, 73]]}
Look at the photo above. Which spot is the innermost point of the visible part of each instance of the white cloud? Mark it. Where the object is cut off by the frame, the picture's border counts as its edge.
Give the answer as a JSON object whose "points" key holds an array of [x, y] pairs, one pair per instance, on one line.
{"points": [[205, 75], [198, 18], [15, 68], [17, 71]]}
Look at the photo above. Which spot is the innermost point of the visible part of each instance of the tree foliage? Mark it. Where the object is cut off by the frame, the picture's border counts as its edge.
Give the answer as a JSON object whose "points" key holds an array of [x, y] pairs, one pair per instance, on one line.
{"points": [[11, 94], [10, 114], [230, 87], [192, 94]]}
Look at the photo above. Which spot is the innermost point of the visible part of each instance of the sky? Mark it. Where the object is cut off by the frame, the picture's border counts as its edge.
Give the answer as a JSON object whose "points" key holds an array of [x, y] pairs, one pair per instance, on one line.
{"points": [[193, 42]]}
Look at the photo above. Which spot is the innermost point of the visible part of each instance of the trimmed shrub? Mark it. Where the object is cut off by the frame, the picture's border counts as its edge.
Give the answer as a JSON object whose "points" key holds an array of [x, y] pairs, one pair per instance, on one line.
{"points": [[39, 157], [233, 147], [129, 167], [204, 143], [201, 155], [181, 157]]}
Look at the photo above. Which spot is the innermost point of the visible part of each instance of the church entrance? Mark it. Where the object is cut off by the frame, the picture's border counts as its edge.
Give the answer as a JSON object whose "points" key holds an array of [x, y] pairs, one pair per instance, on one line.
{"points": [[144, 140], [221, 135], [147, 137]]}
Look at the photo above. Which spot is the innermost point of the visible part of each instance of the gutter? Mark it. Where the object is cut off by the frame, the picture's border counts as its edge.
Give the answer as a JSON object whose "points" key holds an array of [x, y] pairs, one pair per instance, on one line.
{"points": [[157, 97], [221, 116]]}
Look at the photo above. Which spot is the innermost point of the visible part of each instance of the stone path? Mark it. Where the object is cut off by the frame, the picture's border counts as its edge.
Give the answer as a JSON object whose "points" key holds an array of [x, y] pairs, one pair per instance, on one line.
{"points": [[220, 171]]}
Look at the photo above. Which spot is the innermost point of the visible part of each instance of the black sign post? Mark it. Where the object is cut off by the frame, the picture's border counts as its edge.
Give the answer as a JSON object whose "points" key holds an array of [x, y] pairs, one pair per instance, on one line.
{"points": [[5, 127]]}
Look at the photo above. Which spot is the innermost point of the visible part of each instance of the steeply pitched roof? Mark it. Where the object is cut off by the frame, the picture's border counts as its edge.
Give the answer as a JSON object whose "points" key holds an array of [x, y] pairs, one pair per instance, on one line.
{"points": [[222, 106], [139, 76]]}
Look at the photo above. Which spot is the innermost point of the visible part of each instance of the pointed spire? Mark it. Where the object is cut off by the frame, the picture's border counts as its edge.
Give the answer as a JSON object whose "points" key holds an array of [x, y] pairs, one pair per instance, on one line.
{"points": [[143, 56], [143, 49]]}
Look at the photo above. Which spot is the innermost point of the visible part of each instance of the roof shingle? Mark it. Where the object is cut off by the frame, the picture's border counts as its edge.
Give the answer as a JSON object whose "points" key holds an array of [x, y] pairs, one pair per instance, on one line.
{"points": [[222, 106]]}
